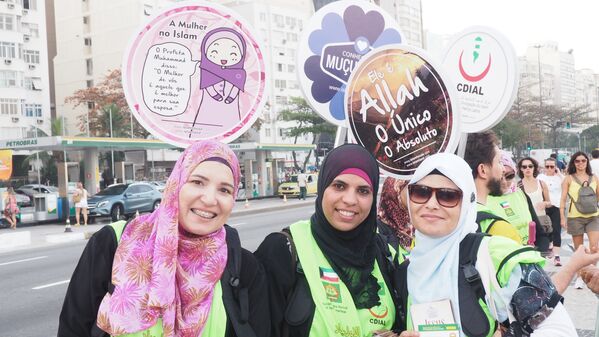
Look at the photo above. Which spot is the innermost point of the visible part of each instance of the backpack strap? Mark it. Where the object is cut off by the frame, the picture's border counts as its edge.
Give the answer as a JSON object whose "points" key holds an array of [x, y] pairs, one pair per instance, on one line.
{"points": [[471, 290], [300, 306], [482, 216], [387, 262], [235, 295]]}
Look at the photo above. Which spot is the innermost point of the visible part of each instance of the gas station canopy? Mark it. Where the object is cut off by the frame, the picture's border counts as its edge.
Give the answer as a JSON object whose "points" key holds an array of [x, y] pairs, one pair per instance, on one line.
{"points": [[60, 143]]}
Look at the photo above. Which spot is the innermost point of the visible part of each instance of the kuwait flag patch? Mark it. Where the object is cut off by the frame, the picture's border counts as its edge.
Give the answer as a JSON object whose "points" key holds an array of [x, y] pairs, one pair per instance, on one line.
{"points": [[327, 274]]}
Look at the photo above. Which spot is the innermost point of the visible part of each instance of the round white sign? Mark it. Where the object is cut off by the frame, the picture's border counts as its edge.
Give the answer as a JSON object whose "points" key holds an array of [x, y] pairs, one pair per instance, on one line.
{"points": [[483, 66], [195, 71]]}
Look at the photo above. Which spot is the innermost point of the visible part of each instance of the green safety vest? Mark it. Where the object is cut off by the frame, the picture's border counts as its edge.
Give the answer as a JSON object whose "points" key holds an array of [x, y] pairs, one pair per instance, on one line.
{"points": [[514, 209], [335, 314], [215, 324], [505, 255]]}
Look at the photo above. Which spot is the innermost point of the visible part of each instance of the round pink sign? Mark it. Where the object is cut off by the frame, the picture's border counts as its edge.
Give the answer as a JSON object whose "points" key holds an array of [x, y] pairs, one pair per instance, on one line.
{"points": [[195, 71]]}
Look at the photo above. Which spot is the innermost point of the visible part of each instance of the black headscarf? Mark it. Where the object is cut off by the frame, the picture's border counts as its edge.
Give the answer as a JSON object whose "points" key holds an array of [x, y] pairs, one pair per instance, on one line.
{"points": [[351, 253]]}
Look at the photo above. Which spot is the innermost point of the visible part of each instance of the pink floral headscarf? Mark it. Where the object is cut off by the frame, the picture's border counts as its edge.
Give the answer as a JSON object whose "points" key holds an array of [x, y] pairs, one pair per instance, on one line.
{"points": [[506, 160], [161, 272]]}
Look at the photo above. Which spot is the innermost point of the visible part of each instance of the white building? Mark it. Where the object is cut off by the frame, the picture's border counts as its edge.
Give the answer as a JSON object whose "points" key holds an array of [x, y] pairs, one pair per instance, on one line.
{"points": [[279, 25], [587, 92], [24, 83], [530, 77], [562, 65], [91, 37], [409, 15]]}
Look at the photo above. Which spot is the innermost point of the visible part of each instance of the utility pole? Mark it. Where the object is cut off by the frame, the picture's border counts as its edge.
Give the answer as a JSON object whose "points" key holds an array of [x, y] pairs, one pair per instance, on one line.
{"points": [[111, 149]]}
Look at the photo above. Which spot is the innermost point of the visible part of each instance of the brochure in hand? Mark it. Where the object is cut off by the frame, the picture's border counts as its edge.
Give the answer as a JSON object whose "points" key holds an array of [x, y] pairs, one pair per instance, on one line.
{"points": [[434, 319]]}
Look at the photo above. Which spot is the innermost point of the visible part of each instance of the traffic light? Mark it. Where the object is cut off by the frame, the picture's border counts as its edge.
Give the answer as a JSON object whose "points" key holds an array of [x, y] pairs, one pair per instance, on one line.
{"points": [[528, 146]]}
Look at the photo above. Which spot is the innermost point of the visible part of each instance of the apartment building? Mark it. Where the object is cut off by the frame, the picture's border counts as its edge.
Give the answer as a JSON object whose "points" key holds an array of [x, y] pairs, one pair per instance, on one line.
{"points": [[91, 37], [24, 85]]}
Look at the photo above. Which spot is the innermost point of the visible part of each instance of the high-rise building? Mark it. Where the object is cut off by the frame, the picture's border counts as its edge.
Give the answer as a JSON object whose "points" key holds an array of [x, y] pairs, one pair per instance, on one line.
{"points": [[24, 85], [91, 37], [561, 65], [408, 13], [279, 25], [587, 93]]}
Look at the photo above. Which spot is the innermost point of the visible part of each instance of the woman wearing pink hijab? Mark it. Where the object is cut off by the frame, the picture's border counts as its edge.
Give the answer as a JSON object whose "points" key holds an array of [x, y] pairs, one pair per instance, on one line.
{"points": [[178, 271]]}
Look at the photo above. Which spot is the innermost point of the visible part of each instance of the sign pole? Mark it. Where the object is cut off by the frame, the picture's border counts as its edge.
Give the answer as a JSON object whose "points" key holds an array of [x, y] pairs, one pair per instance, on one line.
{"points": [[462, 145], [340, 136]]}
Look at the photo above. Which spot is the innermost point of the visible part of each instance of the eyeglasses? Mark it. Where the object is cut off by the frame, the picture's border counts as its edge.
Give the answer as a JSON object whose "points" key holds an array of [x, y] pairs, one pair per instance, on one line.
{"points": [[510, 176], [527, 166], [446, 197], [580, 161], [549, 166]]}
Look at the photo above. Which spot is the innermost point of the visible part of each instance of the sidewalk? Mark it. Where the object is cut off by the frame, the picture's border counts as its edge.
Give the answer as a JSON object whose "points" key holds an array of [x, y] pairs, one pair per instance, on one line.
{"points": [[48, 233]]}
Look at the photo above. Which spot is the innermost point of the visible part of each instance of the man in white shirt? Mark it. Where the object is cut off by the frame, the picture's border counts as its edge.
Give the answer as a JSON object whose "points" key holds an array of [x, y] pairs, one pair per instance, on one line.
{"points": [[595, 162], [302, 182]]}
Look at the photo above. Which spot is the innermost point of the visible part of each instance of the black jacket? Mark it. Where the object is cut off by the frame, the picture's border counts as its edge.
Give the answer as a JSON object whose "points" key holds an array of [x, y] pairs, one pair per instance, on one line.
{"points": [[92, 276]]}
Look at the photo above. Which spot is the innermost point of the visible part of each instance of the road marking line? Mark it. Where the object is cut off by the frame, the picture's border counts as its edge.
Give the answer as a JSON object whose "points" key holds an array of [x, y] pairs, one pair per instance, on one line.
{"points": [[51, 285], [24, 260], [237, 224]]}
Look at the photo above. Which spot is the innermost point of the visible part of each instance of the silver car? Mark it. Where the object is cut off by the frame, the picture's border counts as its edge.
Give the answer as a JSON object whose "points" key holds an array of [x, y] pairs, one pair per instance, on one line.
{"points": [[124, 200]]}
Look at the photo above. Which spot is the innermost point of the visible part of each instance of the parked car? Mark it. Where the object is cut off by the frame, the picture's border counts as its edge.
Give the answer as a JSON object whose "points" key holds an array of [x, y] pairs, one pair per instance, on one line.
{"points": [[30, 189], [291, 188], [123, 200], [160, 185]]}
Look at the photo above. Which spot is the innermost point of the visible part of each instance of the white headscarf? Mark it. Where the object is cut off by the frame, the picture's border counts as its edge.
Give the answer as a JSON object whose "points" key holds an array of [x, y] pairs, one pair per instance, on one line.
{"points": [[434, 262]]}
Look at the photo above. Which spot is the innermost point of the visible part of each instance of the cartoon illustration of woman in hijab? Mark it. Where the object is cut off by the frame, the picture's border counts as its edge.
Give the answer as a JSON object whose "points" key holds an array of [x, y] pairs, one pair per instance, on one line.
{"points": [[222, 77]]}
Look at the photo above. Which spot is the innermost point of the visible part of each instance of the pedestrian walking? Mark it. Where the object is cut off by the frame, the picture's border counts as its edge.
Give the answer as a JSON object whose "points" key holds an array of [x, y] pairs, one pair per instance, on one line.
{"points": [[178, 271], [329, 276], [11, 209], [553, 179], [583, 217], [479, 283], [595, 162], [538, 192], [302, 182], [80, 198]]}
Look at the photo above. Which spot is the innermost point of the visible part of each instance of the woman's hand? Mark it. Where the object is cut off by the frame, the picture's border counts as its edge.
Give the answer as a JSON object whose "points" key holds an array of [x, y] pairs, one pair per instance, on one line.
{"points": [[387, 333], [583, 257]]}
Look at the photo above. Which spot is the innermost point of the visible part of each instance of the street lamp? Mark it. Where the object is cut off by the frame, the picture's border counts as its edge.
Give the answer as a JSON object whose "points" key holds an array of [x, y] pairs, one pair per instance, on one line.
{"points": [[538, 47]]}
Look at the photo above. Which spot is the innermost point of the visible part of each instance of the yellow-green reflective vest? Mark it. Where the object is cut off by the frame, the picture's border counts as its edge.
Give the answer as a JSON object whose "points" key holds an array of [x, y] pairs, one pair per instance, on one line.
{"points": [[335, 314], [513, 208], [215, 324]]}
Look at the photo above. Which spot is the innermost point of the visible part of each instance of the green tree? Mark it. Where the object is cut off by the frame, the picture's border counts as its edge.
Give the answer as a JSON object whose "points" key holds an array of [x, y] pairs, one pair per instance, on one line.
{"points": [[108, 92], [511, 133], [308, 122]]}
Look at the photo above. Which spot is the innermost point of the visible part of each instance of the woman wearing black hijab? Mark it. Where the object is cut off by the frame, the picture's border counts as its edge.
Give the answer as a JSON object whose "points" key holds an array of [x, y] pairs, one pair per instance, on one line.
{"points": [[330, 275]]}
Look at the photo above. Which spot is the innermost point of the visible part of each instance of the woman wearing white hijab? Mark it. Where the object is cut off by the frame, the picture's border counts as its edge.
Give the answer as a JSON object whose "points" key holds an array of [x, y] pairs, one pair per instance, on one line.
{"points": [[442, 205]]}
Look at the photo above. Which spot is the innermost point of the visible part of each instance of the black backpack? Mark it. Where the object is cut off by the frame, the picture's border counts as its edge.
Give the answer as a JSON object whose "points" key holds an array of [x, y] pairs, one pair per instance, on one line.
{"points": [[235, 296]]}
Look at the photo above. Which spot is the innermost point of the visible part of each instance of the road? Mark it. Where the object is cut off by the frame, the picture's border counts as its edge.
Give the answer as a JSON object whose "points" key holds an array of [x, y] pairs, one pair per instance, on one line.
{"points": [[34, 282]]}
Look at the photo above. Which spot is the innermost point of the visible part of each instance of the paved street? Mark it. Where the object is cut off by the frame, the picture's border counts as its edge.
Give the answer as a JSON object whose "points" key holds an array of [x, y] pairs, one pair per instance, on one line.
{"points": [[35, 277], [35, 280]]}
